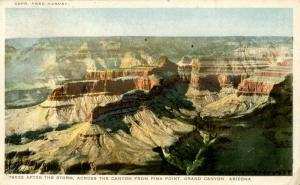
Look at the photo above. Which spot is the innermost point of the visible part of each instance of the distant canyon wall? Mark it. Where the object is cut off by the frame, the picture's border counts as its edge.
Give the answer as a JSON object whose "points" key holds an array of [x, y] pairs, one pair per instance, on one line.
{"points": [[263, 81], [118, 81], [199, 74], [216, 74], [114, 86]]}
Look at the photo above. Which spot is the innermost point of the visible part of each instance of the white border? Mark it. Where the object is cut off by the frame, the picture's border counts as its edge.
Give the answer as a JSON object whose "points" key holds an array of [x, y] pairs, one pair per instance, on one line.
{"points": [[261, 180]]}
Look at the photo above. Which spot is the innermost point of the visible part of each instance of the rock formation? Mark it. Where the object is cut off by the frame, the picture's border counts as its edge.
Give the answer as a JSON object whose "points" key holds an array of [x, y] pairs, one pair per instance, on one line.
{"points": [[86, 148], [131, 60], [118, 81], [123, 107], [215, 73], [262, 82]]}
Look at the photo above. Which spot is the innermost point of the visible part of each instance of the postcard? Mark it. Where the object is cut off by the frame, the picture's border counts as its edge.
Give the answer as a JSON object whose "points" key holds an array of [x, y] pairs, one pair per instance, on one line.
{"points": [[202, 92]]}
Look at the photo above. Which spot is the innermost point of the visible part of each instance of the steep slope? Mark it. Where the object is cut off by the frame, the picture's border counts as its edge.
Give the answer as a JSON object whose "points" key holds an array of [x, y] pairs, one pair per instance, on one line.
{"points": [[260, 141], [84, 148]]}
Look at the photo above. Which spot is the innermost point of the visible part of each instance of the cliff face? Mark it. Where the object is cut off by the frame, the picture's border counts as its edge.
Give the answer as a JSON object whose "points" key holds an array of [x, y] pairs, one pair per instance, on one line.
{"points": [[221, 88], [184, 73], [212, 83], [250, 88], [122, 131], [111, 74], [122, 85], [74, 100], [165, 67], [116, 86], [52, 113], [91, 149], [252, 93], [209, 82], [262, 82], [216, 74], [119, 81], [131, 59]]}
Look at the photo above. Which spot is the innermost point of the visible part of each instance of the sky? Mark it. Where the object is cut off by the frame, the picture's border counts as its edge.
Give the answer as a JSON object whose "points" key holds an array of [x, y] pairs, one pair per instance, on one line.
{"points": [[60, 22]]}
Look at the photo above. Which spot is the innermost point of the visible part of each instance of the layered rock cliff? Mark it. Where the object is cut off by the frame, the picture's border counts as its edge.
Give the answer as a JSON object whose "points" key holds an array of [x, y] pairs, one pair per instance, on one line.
{"points": [[262, 82], [252, 93], [74, 100], [115, 86], [118, 81], [119, 130], [214, 74]]}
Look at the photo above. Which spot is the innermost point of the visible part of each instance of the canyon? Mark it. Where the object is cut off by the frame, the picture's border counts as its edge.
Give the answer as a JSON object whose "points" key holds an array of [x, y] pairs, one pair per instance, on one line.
{"points": [[126, 116]]}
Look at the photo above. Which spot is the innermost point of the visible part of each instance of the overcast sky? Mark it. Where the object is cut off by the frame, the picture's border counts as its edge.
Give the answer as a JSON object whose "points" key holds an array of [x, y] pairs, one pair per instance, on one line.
{"points": [[148, 22]]}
